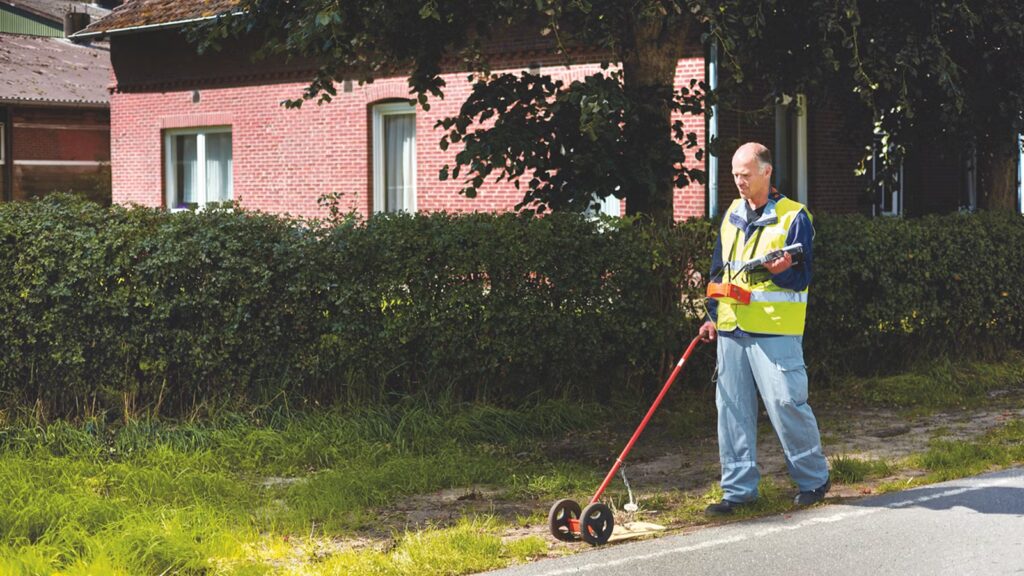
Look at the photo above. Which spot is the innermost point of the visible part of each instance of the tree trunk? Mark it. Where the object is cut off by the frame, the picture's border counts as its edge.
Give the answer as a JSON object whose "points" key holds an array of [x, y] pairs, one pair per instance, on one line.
{"points": [[997, 178], [651, 51]]}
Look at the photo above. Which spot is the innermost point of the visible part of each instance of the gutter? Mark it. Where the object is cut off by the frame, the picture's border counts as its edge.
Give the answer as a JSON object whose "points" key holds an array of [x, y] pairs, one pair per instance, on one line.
{"points": [[83, 35], [54, 103]]}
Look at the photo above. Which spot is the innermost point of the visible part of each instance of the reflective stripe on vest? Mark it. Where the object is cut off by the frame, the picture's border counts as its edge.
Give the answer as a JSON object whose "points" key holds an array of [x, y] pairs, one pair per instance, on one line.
{"points": [[772, 309], [788, 296]]}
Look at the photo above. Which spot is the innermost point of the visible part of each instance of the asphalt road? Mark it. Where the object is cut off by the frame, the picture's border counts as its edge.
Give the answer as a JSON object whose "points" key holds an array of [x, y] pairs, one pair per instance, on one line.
{"points": [[968, 526]]}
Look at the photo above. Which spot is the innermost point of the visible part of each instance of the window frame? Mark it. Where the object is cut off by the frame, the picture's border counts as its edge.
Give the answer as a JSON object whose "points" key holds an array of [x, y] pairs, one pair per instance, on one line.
{"points": [[791, 138], [610, 205], [380, 111], [883, 188], [971, 181], [170, 175]]}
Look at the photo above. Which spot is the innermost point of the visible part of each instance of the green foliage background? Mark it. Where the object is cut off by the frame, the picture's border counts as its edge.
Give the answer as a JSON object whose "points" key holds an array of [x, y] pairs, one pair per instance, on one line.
{"points": [[131, 309]]}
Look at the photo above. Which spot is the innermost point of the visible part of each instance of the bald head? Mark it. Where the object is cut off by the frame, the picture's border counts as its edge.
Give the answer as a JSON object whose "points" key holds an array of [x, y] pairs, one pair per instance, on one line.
{"points": [[759, 151], [752, 172]]}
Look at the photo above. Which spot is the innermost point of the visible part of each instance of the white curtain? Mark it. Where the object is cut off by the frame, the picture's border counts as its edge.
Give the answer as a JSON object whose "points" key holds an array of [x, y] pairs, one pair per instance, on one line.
{"points": [[187, 185], [218, 167], [399, 149]]}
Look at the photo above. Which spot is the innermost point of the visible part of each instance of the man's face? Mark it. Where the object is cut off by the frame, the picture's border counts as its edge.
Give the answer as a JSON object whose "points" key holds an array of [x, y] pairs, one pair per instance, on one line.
{"points": [[751, 179]]}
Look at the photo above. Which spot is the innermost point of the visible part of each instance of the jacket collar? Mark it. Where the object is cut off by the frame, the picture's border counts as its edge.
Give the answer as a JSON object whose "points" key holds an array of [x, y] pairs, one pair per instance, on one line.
{"points": [[768, 217]]}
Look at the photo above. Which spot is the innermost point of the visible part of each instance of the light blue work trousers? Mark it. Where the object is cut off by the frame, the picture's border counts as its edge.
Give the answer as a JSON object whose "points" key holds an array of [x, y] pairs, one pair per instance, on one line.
{"points": [[774, 366]]}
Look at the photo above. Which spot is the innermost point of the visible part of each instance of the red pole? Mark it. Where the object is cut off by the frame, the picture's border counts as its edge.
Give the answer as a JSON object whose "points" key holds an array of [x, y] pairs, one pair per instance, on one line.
{"points": [[640, 429]]}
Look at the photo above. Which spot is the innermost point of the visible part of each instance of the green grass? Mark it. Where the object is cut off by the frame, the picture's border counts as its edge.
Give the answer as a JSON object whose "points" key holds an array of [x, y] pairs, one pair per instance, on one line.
{"points": [[470, 546], [943, 383], [688, 509], [847, 470], [220, 497], [949, 459], [952, 459]]}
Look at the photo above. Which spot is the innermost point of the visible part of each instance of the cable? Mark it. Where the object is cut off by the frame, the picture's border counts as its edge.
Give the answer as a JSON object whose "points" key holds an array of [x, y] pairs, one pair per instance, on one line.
{"points": [[631, 506]]}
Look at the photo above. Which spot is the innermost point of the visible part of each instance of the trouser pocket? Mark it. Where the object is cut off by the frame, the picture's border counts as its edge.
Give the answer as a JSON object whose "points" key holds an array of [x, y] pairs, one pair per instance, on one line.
{"points": [[792, 380]]}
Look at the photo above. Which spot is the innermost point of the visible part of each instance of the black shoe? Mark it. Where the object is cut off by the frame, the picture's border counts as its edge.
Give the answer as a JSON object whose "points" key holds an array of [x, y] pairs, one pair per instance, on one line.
{"points": [[724, 508], [813, 496]]}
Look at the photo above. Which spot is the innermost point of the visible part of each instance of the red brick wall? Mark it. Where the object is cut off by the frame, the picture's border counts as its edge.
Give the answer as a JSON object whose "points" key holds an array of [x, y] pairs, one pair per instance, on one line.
{"points": [[58, 149], [284, 160], [934, 180], [833, 153], [691, 201]]}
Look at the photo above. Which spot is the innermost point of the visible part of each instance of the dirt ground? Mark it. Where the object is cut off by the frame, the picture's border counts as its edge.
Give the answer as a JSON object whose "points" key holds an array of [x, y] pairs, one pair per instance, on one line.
{"points": [[861, 433]]}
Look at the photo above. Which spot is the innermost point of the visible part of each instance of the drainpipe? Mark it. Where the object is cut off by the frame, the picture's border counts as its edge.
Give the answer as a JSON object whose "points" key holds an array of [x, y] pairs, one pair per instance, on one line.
{"points": [[1020, 174], [712, 133]]}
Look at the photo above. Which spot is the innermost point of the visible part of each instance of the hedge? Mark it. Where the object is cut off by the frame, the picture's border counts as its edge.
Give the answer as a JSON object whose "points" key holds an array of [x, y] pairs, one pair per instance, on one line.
{"points": [[889, 293], [122, 309]]}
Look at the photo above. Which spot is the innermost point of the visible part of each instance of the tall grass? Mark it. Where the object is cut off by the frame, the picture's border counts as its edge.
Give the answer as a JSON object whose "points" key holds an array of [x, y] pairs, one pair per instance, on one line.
{"points": [[206, 497], [849, 470]]}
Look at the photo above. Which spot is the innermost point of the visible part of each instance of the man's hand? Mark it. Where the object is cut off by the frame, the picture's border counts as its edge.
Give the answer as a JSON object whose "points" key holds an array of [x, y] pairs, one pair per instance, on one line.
{"points": [[779, 265], [708, 332]]}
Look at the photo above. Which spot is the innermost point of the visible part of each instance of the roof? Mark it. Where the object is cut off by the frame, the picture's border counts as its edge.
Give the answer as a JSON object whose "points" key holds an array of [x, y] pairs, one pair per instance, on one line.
{"points": [[54, 9], [53, 71], [136, 14]]}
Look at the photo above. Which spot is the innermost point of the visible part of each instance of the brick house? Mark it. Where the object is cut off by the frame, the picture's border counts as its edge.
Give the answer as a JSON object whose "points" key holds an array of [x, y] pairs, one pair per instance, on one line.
{"points": [[189, 130], [54, 103]]}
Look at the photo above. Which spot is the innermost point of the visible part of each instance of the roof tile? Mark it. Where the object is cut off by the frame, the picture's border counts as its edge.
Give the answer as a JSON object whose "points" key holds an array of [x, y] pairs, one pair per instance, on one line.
{"points": [[51, 70], [136, 13]]}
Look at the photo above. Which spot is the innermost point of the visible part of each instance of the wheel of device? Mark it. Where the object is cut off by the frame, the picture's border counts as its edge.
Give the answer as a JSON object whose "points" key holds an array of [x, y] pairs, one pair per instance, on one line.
{"points": [[596, 524], [562, 512]]}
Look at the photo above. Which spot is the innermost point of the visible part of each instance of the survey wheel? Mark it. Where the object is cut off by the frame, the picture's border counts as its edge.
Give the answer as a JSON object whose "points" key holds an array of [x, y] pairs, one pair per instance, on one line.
{"points": [[596, 524], [560, 520]]}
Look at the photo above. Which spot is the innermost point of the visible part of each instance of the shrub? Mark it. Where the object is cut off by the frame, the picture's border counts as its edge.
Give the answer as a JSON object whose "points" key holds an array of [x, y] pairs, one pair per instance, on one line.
{"points": [[131, 308]]}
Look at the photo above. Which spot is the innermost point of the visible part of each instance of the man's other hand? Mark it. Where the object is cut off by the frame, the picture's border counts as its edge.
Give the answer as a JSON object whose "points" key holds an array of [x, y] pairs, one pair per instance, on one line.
{"points": [[708, 332], [779, 265]]}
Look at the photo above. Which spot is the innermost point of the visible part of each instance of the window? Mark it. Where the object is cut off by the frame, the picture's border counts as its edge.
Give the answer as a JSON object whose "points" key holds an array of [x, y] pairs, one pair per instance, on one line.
{"points": [[888, 191], [3, 141], [198, 168], [790, 172], [609, 206], [394, 157]]}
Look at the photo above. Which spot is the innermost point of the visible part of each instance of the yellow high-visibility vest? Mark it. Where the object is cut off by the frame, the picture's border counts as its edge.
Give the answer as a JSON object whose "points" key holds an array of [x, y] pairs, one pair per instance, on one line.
{"points": [[772, 309]]}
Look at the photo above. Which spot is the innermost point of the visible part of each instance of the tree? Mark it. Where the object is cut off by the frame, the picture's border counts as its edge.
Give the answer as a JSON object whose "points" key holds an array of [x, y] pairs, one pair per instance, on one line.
{"points": [[919, 71], [566, 147], [923, 71]]}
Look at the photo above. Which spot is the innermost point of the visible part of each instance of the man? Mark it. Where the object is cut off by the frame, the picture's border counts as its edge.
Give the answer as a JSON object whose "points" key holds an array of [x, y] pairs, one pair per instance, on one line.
{"points": [[760, 344]]}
